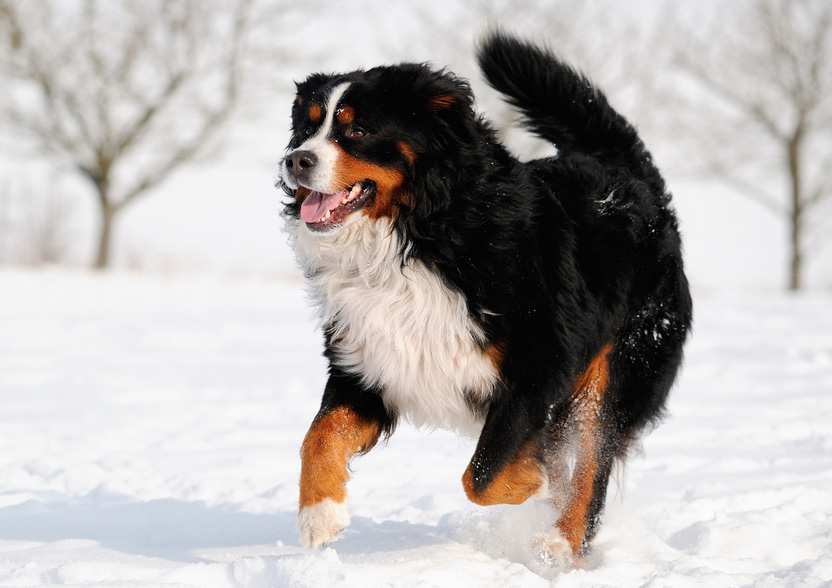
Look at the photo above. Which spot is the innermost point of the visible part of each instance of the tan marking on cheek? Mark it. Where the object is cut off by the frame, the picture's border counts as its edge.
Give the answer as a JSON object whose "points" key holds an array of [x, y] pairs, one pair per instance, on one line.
{"points": [[330, 443], [588, 397], [388, 181], [514, 484], [346, 115], [315, 113]]}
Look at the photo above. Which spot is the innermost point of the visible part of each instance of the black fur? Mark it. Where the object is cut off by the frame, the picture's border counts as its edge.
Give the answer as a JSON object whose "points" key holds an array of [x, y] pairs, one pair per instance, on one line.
{"points": [[555, 257]]}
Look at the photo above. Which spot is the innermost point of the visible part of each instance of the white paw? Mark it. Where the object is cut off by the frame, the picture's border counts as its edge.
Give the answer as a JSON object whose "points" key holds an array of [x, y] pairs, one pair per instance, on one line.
{"points": [[553, 550], [322, 523]]}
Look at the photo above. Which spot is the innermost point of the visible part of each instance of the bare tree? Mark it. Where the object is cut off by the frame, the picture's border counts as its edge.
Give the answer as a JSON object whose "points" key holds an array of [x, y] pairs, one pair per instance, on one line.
{"points": [[767, 80], [124, 92]]}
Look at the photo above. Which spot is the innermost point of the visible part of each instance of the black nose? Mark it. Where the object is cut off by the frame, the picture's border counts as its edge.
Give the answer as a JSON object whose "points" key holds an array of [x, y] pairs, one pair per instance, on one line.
{"points": [[301, 161]]}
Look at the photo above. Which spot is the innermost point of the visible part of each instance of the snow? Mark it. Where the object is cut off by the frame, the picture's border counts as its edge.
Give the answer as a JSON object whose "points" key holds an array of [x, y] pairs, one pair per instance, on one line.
{"points": [[150, 427]]}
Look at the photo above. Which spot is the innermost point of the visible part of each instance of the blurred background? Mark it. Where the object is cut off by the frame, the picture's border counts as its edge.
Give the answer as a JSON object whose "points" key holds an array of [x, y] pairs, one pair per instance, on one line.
{"points": [[146, 134]]}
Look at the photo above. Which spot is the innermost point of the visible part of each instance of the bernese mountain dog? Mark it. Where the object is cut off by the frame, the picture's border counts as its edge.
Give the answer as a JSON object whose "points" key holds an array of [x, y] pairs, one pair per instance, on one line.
{"points": [[541, 306]]}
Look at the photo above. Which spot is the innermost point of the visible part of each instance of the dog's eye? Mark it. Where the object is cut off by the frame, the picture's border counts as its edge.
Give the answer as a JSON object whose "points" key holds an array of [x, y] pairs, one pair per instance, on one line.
{"points": [[356, 133], [307, 131]]}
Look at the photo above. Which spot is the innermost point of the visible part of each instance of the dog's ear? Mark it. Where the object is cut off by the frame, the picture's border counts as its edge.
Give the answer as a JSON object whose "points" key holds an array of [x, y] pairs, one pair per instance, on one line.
{"points": [[450, 98], [446, 92], [443, 101], [452, 135]]}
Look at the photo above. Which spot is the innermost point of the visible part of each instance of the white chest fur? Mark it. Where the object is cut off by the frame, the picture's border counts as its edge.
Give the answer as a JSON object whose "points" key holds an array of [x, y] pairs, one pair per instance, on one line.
{"points": [[399, 327]]}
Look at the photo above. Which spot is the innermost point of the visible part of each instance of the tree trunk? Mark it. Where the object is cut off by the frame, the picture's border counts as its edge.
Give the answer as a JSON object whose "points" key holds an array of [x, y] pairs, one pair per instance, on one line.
{"points": [[101, 181], [795, 282], [108, 213], [796, 217]]}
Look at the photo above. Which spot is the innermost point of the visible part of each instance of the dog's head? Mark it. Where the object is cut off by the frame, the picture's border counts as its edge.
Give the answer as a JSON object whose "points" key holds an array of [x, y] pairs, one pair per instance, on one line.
{"points": [[375, 144]]}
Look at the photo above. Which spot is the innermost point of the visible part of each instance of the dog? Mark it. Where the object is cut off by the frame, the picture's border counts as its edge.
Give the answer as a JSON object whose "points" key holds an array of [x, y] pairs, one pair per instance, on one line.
{"points": [[541, 306]]}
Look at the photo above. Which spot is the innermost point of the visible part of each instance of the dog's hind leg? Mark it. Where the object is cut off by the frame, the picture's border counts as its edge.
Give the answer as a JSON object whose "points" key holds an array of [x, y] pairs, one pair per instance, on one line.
{"points": [[350, 422], [595, 451]]}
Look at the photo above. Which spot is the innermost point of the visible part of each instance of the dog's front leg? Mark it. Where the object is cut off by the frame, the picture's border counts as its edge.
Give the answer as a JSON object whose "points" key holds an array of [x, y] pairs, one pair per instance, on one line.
{"points": [[507, 466], [350, 421]]}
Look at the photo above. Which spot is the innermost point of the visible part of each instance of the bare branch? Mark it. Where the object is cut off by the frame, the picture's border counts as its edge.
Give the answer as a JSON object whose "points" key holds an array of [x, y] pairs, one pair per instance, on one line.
{"points": [[775, 71], [125, 92], [212, 118], [753, 191], [822, 191], [140, 125], [184, 152]]}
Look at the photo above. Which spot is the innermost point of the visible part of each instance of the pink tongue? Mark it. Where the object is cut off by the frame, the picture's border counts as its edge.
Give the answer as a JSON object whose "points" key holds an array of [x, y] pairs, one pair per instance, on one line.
{"points": [[315, 205]]}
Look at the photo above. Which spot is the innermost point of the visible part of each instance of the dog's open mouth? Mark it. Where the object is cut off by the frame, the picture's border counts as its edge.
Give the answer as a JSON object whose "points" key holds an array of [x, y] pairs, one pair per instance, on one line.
{"points": [[322, 212]]}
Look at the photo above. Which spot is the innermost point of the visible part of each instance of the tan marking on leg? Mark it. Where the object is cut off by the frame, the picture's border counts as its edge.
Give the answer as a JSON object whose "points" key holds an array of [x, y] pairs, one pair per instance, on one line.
{"points": [[514, 484], [588, 397], [330, 443], [573, 522]]}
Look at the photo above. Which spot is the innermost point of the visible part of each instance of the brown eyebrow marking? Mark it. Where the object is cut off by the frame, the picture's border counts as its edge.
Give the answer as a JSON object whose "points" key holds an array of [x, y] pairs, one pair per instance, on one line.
{"points": [[315, 113], [345, 115]]}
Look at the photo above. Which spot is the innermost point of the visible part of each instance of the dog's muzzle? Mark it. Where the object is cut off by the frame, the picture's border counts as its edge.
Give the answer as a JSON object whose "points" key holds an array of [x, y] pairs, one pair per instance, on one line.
{"points": [[300, 165]]}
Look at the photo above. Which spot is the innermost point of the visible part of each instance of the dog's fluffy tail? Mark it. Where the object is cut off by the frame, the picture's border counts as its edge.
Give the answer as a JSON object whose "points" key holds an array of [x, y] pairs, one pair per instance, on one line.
{"points": [[562, 106]]}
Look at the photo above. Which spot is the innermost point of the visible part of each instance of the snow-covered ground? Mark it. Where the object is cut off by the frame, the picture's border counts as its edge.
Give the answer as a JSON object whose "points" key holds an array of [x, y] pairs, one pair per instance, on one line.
{"points": [[149, 434]]}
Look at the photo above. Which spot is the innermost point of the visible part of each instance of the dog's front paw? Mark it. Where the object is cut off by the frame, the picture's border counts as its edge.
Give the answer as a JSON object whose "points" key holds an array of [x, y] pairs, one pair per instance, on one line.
{"points": [[321, 523], [553, 550]]}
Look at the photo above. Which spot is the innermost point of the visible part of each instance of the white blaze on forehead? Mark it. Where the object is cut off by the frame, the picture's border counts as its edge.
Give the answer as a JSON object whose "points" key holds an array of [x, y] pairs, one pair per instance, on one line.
{"points": [[331, 107], [323, 179]]}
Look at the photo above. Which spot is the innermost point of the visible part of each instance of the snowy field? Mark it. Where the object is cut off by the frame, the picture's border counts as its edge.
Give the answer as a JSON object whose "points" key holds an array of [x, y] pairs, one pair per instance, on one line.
{"points": [[150, 426]]}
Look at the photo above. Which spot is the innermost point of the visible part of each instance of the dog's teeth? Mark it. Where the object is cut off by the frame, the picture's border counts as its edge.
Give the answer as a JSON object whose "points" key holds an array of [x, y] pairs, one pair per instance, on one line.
{"points": [[327, 215]]}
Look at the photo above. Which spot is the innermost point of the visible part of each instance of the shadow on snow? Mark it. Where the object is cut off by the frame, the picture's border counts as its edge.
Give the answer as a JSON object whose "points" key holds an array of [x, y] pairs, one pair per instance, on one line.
{"points": [[177, 530]]}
